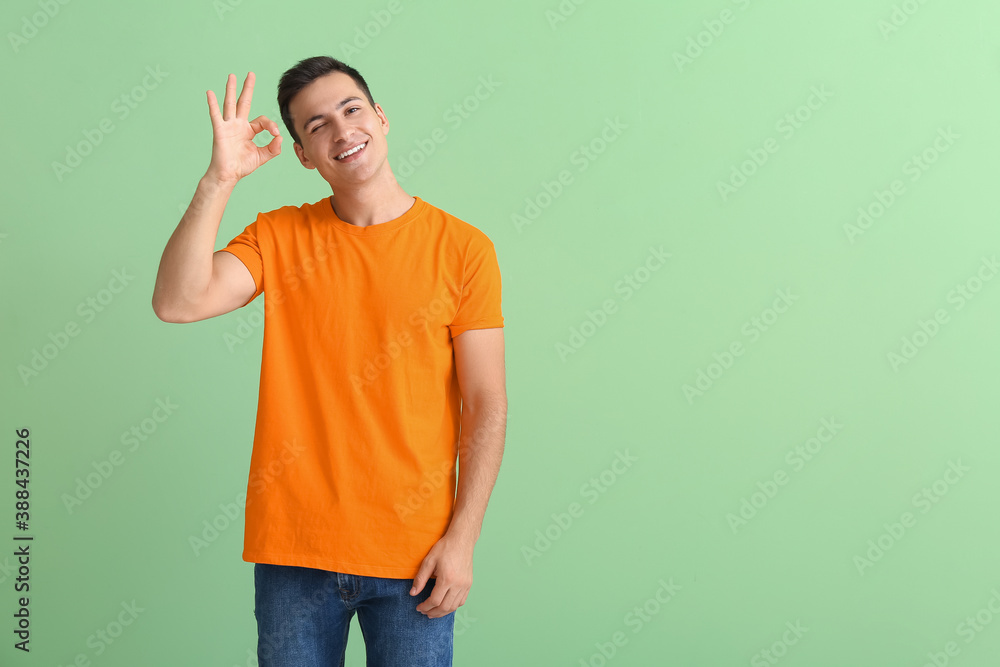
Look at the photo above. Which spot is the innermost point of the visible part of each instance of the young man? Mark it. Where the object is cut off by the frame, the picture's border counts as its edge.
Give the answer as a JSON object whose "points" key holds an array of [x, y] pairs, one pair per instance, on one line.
{"points": [[383, 362]]}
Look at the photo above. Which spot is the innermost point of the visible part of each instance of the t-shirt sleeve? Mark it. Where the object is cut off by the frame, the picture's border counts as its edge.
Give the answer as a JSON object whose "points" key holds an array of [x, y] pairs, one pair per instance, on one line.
{"points": [[479, 306], [246, 247]]}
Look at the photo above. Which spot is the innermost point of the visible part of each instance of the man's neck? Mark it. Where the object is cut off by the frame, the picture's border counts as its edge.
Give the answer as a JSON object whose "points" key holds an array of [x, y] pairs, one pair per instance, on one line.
{"points": [[371, 205]]}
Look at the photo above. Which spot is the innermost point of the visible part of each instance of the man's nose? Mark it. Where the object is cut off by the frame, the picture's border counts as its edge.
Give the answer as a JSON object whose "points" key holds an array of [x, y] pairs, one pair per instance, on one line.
{"points": [[343, 133]]}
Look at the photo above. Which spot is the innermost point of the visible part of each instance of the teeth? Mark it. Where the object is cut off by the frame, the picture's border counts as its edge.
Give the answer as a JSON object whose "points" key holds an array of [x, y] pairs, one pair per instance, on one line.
{"points": [[352, 151]]}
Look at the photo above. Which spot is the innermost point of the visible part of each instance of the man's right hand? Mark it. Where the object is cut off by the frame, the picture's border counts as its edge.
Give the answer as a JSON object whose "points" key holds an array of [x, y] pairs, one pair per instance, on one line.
{"points": [[234, 154]]}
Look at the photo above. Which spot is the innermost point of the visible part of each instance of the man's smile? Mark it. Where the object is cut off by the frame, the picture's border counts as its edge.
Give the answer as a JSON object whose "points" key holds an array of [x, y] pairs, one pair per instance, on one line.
{"points": [[351, 153]]}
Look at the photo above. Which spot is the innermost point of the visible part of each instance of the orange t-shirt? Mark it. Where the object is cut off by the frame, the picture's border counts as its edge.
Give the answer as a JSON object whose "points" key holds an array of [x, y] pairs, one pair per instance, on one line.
{"points": [[358, 416]]}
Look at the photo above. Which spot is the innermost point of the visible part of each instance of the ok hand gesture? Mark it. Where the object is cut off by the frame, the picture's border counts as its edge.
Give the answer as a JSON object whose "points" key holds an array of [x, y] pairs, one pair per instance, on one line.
{"points": [[234, 154]]}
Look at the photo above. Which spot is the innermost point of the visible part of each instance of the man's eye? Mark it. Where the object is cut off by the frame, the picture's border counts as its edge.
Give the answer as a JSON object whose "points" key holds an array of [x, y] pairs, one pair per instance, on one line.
{"points": [[316, 127], [354, 109]]}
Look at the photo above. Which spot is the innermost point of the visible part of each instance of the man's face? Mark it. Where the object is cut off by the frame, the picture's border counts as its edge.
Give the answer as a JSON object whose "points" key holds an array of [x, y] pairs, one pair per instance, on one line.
{"points": [[332, 115]]}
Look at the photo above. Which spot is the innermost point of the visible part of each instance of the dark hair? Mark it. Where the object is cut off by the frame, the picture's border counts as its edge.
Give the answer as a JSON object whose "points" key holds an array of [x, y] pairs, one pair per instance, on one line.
{"points": [[305, 72]]}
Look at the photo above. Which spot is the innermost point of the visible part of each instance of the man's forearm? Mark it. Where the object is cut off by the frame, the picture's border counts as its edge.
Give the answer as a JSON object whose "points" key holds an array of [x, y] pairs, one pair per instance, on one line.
{"points": [[185, 269], [480, 451]]}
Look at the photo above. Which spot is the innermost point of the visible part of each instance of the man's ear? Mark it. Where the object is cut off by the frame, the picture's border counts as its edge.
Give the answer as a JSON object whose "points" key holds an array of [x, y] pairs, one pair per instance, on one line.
{"points": [[300, 152], [381, 118]]}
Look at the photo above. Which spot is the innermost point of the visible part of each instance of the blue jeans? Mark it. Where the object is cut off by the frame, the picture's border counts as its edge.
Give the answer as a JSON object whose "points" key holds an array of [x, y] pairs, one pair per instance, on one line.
{"points": [[303, 615]]}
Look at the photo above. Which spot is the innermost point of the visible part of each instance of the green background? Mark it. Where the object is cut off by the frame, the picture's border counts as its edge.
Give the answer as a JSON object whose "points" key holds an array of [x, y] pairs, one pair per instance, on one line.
{"points": [[894, 77]]}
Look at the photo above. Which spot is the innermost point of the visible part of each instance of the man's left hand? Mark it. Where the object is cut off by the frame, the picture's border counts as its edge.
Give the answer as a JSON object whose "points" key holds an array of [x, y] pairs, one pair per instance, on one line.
{"points": [[450, 562]]}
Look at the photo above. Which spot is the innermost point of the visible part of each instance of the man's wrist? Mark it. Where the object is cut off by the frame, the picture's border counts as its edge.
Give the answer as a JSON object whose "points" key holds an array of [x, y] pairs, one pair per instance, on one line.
{"points": [[215, 182], [463, 534]]}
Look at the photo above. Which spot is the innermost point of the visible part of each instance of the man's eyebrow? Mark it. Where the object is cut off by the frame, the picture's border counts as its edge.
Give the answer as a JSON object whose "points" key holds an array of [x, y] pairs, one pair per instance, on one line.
{"points": [[320, 116]]}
